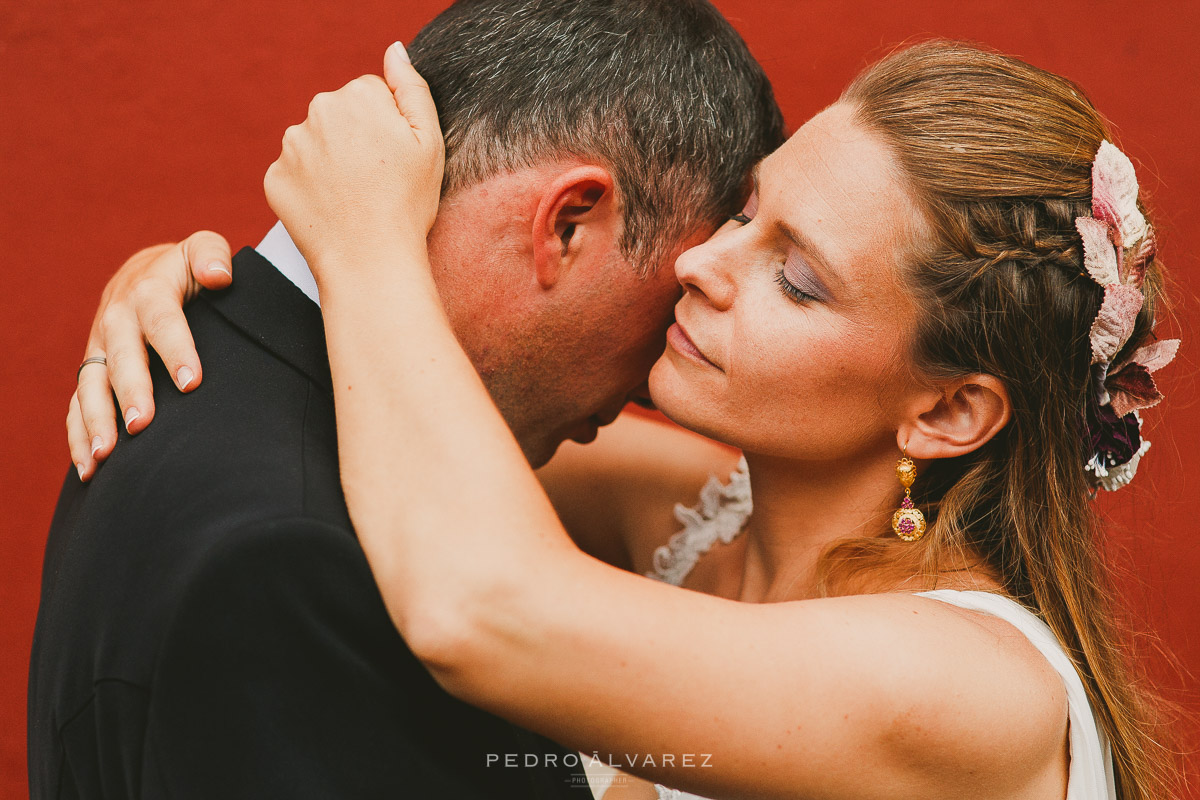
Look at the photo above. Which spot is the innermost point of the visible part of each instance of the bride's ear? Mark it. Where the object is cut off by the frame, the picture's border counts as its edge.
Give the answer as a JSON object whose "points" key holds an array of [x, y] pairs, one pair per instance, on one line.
{"points": [[957, 418], [575, 210]]}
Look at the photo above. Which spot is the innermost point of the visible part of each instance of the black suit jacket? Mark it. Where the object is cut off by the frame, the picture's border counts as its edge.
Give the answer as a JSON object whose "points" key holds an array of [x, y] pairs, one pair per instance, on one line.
{"points": [[209, 626]]}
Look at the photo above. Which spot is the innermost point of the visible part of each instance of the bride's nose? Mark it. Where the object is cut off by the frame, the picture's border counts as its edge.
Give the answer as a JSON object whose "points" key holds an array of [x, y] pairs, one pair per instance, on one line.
{"points": [[707, 270]]}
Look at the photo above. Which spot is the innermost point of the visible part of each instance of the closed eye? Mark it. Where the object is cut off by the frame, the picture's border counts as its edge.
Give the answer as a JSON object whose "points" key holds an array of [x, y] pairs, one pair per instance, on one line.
{"points": [[792, 291]]}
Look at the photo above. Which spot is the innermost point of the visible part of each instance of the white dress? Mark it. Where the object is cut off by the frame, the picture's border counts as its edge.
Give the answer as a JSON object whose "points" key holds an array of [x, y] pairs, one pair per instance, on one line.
{"points": [[721, 515]]}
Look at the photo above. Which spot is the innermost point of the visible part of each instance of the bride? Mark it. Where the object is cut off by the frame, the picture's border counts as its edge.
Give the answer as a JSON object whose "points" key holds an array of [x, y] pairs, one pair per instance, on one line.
{"points": [[930, 332]]}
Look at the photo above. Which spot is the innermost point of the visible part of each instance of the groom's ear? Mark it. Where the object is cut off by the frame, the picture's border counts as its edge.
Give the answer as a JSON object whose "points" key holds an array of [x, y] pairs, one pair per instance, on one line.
{"points": [[577, 217]]}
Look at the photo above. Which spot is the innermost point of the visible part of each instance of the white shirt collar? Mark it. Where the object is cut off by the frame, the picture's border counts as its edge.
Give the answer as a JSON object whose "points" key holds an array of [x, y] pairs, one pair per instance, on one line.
{"points": [[278, 248]]}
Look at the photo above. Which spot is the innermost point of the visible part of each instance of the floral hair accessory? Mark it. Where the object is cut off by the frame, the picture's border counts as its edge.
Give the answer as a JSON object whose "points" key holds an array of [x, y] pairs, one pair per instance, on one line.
{"points": [[1118, 246], [1115, 195]]}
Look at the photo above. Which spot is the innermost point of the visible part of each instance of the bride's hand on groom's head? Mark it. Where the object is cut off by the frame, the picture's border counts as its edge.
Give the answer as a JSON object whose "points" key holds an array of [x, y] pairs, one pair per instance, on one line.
{"points": [[142, 303], [363, 173]]}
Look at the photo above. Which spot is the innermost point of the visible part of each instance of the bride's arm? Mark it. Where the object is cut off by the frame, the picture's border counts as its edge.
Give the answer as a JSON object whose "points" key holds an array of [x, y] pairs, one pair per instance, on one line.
{"points": [[849, 697], [615, 496]]}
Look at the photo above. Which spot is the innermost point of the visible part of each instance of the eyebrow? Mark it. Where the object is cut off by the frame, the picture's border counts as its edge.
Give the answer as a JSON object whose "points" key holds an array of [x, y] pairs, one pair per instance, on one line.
{"points": [[821, 269]]}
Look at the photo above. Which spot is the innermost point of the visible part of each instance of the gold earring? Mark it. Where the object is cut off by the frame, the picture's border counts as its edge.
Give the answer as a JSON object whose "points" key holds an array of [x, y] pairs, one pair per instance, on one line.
{"points": [[908, 522]]}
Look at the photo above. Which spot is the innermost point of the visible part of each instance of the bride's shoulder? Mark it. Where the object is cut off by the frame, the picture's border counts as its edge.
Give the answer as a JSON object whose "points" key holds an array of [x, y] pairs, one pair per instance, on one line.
{"points": [[617, 497], [963, 668], [948, 624]]}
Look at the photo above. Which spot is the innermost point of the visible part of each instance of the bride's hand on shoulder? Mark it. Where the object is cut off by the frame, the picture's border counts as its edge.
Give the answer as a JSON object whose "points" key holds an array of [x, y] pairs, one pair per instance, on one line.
{"points": [[142, 305], [360, 178]]}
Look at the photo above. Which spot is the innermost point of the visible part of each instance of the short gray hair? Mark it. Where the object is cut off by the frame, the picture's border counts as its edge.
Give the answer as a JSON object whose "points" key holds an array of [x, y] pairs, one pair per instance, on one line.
{"points": [[663, 93]]}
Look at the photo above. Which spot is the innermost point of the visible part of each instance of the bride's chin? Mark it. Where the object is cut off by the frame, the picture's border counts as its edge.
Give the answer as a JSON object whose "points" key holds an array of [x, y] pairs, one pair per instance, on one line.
{"points": [[662, 382], [679, 399]]}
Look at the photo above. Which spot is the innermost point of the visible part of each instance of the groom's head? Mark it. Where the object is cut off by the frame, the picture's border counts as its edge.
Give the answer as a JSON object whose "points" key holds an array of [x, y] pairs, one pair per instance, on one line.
{"points": [[588, 142]]}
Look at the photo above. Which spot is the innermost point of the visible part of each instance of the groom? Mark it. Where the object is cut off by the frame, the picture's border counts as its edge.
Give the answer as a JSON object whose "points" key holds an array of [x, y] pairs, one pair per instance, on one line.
{"points": [[209, 626]]}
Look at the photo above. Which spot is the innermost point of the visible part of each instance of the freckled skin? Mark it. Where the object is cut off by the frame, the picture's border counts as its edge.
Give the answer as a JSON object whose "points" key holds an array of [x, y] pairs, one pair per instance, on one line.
{"points": [[783, 364]]}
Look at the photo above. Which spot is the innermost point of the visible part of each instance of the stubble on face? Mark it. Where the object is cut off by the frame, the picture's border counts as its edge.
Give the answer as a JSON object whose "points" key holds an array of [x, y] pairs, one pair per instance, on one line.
{"points": [[572, 371], [557, 364]]}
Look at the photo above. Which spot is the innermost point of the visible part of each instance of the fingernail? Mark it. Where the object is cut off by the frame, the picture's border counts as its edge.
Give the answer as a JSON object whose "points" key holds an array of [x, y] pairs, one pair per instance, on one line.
{"points": [[217, 266], [79, 469], [400, 51], [97, 443], [184, 377], [131, 414]]}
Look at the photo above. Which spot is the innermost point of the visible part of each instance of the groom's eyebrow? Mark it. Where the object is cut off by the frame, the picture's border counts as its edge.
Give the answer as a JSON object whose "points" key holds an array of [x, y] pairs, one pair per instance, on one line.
{"points": [[824, 274]]}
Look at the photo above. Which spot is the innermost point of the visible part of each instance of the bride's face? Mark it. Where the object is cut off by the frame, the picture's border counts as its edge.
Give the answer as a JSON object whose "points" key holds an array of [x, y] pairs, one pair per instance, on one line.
{"points": [[793, 334]]}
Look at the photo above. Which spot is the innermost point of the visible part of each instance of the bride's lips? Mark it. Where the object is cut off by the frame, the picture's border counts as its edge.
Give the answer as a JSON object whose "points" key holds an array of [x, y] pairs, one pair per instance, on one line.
{"points": [[679, 340]]}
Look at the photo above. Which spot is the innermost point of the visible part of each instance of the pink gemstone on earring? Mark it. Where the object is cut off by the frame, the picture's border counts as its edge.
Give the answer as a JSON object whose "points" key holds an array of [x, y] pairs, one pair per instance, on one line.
{"points": [[906, 502], [907, 525]]}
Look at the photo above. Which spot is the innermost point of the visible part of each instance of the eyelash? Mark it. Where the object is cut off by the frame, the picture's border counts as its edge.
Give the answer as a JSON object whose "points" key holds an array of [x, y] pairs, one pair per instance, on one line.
{"points": [[790, 290]]}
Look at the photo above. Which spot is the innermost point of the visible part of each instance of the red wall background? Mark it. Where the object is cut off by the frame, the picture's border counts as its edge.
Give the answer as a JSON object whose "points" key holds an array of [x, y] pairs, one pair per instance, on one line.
{"points": [[128, 123]]}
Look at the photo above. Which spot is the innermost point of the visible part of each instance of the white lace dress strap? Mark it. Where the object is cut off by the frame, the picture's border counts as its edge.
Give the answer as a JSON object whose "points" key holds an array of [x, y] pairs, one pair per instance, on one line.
{"points": [[720, 516], [1091, 772]]}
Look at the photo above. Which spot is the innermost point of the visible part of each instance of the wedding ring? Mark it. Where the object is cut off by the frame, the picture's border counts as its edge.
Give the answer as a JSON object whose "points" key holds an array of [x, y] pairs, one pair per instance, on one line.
{"points": [[91, 360]]}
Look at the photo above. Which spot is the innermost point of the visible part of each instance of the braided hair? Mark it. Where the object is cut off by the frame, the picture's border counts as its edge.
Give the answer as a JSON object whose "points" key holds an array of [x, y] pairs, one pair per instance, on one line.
{"points": [[999, 154]]}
